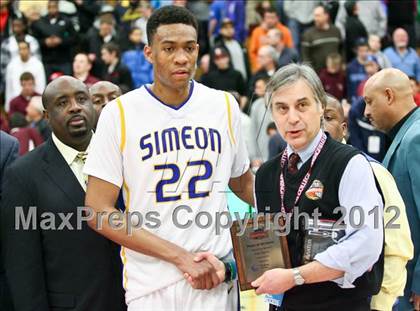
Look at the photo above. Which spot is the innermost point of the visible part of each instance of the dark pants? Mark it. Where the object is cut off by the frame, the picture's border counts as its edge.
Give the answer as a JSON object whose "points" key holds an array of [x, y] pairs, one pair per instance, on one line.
{"points": [[356, 305]]}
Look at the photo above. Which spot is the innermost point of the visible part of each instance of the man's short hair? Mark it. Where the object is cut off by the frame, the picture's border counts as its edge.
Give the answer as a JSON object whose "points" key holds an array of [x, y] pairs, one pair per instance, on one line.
{"points": [[335, 57], [107, 19], [167, 15], [84, 54], [26, 76], [292, 73], [24, 42], [269, 10], [111, 48]]}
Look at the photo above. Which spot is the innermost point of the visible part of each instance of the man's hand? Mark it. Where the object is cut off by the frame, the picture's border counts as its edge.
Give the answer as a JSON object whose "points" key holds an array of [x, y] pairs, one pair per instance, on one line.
{"points": [[201, 274], [274, 281], [215, 262], [415, 299]]}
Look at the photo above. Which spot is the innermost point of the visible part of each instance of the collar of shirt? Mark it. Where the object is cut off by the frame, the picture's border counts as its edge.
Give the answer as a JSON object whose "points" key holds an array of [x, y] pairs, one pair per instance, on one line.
{"points": [[394, 131], [69, 154], [306, 153]]}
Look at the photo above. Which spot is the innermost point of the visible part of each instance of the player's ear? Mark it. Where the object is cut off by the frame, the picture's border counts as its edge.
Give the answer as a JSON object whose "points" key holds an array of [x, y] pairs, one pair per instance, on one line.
{"points": [[148, 53]]}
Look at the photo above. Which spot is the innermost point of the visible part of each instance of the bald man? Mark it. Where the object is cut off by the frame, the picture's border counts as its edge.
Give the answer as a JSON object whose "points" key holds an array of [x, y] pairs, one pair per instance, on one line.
{"points": [[101, 93], [390, 107], [53, 260], [398, 244], [402, 56]]}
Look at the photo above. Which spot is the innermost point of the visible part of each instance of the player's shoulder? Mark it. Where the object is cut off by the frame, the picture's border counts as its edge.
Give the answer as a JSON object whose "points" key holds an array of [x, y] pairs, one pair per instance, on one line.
{"points": [[217, 99], [124, 101]]}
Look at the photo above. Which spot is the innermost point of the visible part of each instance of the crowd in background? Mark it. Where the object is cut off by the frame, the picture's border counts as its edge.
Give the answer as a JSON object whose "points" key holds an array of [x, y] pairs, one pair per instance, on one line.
{"points": [[242, 44]]}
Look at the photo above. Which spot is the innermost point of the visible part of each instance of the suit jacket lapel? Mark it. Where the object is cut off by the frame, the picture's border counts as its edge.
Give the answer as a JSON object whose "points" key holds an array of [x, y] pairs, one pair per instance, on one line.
{"points": [[61, 174], [397, 140]]}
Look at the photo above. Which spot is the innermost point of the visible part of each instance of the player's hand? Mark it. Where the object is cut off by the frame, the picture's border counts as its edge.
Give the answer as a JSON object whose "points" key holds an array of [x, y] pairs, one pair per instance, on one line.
{"points": [[215, 262], [275, 281], [415, 300], [203, 274]]}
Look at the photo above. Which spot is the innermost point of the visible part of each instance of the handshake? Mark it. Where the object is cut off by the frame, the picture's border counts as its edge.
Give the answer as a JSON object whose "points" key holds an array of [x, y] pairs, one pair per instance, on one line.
{"points": [[202, 270]]}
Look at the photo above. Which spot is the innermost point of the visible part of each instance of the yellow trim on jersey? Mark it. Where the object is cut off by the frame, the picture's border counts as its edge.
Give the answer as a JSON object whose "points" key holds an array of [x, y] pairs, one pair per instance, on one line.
{"points": [[122, 118], [232, 138], [124, 257]]}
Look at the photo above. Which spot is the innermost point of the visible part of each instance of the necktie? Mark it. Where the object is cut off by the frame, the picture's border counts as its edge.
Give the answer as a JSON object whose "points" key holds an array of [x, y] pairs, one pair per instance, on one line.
{"points": [[292, 163], [81, 158]]}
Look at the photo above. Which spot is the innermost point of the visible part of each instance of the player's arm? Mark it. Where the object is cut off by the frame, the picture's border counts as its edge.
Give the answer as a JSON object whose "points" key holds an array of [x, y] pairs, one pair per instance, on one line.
{"points": [[243, 187], [101, 197]]}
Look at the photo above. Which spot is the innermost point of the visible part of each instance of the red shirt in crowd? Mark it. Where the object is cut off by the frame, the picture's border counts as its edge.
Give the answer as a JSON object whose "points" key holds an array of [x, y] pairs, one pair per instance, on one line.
{"points": [[90, 80], [19, 104], [28, 138], [334, 83]]}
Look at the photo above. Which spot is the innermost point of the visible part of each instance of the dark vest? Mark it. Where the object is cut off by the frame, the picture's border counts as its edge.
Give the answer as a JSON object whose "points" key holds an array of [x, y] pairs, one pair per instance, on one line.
{"points": [[328, 169]]}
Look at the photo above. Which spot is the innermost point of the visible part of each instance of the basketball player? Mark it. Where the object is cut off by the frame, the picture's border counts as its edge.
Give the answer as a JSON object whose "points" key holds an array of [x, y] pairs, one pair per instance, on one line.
{"points": [[173, 147]]}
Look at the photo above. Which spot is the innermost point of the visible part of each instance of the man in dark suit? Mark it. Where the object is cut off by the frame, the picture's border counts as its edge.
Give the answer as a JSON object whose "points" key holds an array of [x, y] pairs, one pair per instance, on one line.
{"points": [[8, 153], [57, 262]]}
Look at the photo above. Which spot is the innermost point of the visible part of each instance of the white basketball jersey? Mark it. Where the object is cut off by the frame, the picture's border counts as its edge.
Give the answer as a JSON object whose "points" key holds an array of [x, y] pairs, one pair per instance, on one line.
{"points": [[163, 158]]}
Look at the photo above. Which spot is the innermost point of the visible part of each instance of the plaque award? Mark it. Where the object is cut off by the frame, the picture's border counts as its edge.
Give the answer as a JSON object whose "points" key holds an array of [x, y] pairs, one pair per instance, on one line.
{"points": [[261, 247]]}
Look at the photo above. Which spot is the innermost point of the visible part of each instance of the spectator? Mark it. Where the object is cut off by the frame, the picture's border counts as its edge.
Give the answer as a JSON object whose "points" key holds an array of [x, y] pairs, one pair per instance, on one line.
{"points": [[300, 17], [259, 36], [235, 11], [141, 70], [333, 77], [56, 35], [401, 15], [217, 9], [371, 13], [356, 70], [7, 14], [224, 77], [86, 13], [35, 117], [353, 27], [371, 67], [363, 134], [9, 47], [146, 11], [267, 62], [24, 63], [259, 88], [131, 14], [19, 103], [375, 49], [203, 67], [402, 56], [96, 38], [28, 137], [245, 122], [416, 90], [238, 54], [320, 40], [201, 10], [115, 71], [276, 143], [81, 69], [260, 119], [102, 93], [285, 55]]}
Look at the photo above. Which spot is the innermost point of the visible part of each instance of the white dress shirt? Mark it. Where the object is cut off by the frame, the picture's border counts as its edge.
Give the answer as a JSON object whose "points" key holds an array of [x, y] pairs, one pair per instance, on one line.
{"points": [[360, 248], [70, 156]]}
